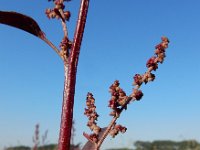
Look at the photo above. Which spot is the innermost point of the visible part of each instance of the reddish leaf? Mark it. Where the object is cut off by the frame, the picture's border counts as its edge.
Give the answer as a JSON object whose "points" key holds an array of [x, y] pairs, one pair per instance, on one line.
{"points": [[22, 22], [91, 146]]}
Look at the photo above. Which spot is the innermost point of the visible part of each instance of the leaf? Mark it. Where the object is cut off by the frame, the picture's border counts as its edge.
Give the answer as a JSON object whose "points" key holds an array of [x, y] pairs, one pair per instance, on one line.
{"points": [[91, 146], [22, 22]]}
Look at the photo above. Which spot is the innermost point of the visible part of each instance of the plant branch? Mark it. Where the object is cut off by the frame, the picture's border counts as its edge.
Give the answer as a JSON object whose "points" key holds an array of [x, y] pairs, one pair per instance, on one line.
{"points": [[52, 46], [119, 100], [152, 65], [63, 23], [113, 121]]}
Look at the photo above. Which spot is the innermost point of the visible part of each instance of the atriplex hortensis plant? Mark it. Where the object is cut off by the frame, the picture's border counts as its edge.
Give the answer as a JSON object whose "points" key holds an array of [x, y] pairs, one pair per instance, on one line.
{"points": [[69, 52]]}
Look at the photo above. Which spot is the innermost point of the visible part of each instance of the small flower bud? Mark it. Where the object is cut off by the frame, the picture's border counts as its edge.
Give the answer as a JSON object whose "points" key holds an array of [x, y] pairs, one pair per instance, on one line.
{"points": [[137, 79], [67, 15], [161, 57], [165, 39], [151, 63], [113, 132], [137, 94], [160, 48], [116, 83], [148, 77], [59, 5]]}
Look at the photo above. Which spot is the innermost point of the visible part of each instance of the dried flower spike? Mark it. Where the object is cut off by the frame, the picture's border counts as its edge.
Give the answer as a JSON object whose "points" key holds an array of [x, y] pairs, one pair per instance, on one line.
{"points": [[92, 115], [119, 100]]}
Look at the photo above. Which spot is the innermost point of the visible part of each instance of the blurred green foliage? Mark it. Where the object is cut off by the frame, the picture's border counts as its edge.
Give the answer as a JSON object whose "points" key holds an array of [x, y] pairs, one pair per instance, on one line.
{"points": [[167, 145], [45, 147]]}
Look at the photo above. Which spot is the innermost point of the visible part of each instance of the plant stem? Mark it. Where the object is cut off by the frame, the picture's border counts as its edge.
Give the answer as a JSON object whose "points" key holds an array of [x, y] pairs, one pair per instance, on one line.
{"points": [[52, 46], [70, 80], [63, 23], [105, 134]]}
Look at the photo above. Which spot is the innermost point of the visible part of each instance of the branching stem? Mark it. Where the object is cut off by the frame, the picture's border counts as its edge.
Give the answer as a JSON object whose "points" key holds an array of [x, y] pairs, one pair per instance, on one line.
{"points": [[70, 80], [52, 46], [152, 65], [63, 23], [113, 121]]}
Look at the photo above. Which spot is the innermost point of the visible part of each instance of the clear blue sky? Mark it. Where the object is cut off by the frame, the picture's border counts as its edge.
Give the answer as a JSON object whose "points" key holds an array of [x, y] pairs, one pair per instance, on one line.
{"points": [[119, 38]]}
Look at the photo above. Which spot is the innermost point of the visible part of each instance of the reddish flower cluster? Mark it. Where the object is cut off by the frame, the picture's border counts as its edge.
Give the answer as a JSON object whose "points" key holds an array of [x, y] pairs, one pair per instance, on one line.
{"points": [[137, 94], [139, 79], [118, 98], [92, 115], [160, 49], [116, 129], [65, 46], [152, 64], [55, 13], [148, 76]]}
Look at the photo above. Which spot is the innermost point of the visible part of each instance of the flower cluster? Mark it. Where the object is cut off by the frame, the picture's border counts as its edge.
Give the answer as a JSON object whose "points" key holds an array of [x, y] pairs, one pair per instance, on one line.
{"points": [[137, 94], [92, 115], [65, 46], [118, 98], [152, 65], [116, 129], [139, 79], [56, 13]]}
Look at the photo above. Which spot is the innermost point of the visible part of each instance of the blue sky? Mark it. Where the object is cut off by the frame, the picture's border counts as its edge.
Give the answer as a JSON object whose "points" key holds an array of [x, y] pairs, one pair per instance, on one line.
{"points": [[119, 38]]}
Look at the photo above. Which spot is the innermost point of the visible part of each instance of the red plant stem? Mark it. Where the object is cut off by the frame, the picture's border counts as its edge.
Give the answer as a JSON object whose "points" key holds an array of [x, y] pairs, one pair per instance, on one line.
{"points": [[70, 80]]}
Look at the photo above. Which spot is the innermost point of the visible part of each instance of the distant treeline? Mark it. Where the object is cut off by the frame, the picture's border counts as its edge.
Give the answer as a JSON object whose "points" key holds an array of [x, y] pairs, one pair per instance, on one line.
{"points": [[167, 145], [46, 147], [139, 145]]}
